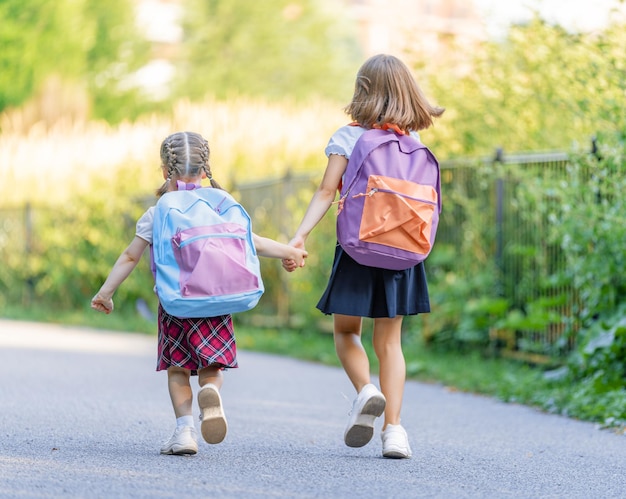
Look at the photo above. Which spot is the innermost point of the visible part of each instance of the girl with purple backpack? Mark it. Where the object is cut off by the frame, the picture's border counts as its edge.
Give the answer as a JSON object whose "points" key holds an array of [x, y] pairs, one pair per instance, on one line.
{"points": [[386, 96], [189, 347]]}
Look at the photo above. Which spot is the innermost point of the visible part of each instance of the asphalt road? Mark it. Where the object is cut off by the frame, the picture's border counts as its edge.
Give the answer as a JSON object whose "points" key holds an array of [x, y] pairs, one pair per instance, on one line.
{"points": [[83, 415]]}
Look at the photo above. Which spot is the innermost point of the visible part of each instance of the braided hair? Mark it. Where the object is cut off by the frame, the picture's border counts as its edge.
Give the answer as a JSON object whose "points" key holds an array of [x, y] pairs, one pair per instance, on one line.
{"points": [[185, 155]]}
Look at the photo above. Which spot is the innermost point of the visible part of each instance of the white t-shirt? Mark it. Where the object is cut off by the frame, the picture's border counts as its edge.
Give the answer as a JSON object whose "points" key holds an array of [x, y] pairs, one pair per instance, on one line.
{"points": [[343, 140], [144, 225]]}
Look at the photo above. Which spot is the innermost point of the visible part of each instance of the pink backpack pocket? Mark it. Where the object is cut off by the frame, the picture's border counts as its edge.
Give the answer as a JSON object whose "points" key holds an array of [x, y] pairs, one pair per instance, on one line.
{"points": [[205, 262], [212, 261]]}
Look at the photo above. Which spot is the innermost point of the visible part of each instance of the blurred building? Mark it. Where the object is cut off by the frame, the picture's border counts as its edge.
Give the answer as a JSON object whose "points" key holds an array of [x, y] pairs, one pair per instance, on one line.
{"points": [[160, 21], [420, 31]]}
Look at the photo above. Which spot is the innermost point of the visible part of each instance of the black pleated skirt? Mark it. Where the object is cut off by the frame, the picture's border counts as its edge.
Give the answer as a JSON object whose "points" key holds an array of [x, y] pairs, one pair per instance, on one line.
{"points": [[358, 290]]}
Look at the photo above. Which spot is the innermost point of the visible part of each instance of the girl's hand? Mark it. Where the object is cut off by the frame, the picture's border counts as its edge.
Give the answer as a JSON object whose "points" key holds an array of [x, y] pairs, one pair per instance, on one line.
{"points": [[291, 264], [102, 304]]}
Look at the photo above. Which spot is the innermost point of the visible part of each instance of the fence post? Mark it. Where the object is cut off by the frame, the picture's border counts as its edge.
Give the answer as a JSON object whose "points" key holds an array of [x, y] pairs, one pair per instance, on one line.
{"points": [[285, 191], [28, 250], [499, 250]]}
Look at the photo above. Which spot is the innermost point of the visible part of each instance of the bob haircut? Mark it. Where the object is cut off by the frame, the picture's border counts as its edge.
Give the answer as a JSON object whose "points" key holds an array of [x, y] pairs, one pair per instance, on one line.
{"points": [[385, 91]]}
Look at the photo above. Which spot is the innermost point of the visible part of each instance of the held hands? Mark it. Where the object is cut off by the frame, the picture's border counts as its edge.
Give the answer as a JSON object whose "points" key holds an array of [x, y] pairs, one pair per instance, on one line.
{"points": [[291, 264], [102, 304]]}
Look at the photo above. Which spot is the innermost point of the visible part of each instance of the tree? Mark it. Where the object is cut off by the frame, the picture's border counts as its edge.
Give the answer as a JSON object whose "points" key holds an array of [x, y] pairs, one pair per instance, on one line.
{"points": [[273, 48], [114, 52], [79, 41], [37, 38], [541, 88]]}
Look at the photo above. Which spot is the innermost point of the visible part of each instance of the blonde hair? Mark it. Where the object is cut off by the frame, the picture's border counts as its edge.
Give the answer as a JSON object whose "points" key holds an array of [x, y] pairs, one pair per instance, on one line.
{"points": [[185, 155], [385, 92]]}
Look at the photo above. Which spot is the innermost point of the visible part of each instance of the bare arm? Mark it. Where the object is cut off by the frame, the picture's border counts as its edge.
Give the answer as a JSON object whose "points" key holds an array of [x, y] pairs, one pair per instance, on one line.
{"points": [[273, 249], [125, 264], [322, 199], [320, 203]]}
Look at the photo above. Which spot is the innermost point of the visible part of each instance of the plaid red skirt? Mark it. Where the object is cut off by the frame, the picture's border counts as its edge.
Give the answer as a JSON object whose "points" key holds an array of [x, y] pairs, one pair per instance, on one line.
{"points": [[196, 343]]}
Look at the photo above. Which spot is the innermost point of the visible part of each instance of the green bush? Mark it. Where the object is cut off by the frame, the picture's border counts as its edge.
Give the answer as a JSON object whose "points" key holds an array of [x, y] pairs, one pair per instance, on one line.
{"points": [[73, 251]]}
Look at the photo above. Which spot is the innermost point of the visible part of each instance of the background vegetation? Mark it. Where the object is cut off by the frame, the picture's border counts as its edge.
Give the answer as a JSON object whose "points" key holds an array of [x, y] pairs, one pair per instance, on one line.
{"points": [[79, 144], [301, 49]]}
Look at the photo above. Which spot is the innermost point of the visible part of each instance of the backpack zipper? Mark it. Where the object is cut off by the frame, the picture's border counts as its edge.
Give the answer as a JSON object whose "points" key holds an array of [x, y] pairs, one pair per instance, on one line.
{"points": [[389, 191], [184, 243]]}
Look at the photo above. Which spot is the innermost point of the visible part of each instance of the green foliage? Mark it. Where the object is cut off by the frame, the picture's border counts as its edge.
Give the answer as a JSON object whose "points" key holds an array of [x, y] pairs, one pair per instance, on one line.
{"points": [[295, 294], [125, 320], [272, 48], [554, 263], [602, 351], [308, 284], [591, 386], [87, 41], [564, 256], [588, 224], [463, 275], [540, 88], [308, 345], [464, 305], [71, 253], [38, 38], [114, 53]]}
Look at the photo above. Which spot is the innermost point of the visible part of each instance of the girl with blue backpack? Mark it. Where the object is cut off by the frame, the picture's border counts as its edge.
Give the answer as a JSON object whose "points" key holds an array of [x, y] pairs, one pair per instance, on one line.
{"points": [[189, 346], [386, 97]]}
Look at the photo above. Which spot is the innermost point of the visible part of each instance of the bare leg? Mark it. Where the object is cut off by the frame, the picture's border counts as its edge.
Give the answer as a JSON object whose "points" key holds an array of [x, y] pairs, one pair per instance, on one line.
{"points": [[388, 348], [184, 440], [210, 375], [350, 350], [180, 390], [213, 421]]}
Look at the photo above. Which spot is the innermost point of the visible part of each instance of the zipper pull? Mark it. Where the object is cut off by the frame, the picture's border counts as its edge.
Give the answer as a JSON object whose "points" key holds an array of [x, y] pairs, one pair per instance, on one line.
{"points": [[370, 193], [176, 237]]}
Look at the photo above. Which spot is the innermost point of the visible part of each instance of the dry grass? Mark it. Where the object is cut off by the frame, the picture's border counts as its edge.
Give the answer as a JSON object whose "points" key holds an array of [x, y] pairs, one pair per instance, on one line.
{"points": [[249, 139]]}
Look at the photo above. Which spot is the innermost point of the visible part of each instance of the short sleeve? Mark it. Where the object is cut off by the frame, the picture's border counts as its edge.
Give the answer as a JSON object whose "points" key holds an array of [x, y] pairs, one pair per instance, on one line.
{"points": [[343, 140], [144, 225]]}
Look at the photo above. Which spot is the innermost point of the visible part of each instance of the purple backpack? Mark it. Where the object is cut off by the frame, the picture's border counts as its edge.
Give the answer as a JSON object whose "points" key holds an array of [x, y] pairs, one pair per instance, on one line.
{"points": [[390, 201]]}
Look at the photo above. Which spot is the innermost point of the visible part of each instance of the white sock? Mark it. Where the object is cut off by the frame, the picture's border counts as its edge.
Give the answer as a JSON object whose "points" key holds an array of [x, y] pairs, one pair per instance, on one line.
{"points": [[184, 421]]}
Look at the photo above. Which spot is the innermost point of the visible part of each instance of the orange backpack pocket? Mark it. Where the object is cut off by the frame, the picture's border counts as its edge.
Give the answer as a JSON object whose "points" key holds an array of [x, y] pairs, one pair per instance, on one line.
{"points": [[398, 213]]}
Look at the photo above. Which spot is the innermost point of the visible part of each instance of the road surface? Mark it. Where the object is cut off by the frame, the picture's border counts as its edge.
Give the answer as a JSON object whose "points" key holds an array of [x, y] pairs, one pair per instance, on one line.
{"points": [[83, 415]]}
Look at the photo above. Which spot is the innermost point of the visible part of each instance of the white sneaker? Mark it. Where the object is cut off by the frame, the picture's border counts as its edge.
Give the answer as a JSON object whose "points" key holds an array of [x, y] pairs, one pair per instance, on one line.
{"points": [[368, 405], [213, 421], [183, 441], [395, 442]]}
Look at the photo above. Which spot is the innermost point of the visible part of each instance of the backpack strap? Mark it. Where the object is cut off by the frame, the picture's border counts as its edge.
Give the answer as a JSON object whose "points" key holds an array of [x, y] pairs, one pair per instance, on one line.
{"points": [[390, 126], [374, 138], [387, 126]]}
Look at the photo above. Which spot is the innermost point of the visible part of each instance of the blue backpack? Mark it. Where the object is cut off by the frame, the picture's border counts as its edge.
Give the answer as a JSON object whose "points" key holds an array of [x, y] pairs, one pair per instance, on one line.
{"points": [[204, 260]]}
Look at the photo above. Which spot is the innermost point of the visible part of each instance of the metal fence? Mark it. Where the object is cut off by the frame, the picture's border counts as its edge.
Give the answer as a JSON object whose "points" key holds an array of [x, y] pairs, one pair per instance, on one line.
{"points": [[512, 241]]}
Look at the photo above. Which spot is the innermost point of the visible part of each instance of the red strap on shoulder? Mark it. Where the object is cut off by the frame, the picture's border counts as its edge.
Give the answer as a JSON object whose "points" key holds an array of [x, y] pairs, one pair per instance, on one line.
{"points": [[390, 126], [386, 126]]}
